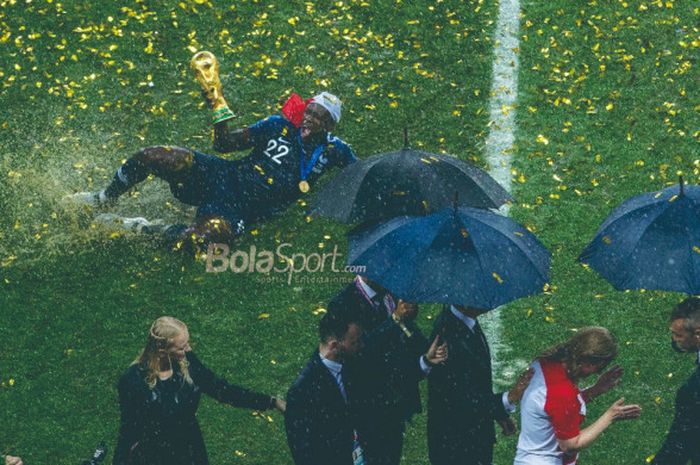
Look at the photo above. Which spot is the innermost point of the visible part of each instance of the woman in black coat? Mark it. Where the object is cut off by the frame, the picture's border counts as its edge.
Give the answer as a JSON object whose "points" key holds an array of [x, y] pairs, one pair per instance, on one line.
{"points": [[159, 395]]}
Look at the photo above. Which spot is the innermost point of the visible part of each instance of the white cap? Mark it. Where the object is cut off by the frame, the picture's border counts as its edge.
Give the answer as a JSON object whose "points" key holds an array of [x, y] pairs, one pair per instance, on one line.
{"points": [[331, 103]]}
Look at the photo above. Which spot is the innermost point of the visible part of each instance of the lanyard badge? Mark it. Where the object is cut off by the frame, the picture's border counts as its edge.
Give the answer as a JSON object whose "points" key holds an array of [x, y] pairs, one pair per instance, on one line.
{"points": [[357, 453]]}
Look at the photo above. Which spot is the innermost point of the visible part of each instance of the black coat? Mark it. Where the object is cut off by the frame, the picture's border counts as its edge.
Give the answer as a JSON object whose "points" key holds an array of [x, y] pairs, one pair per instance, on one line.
{"points": [[159, 426], [682, 444], [389, 360], [462, 406], [388, 375], [320, 423]]}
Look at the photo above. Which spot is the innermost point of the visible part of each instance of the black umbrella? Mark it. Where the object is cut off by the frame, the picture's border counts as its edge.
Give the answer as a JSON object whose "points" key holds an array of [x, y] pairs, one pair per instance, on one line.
{"points": [[651, 241], [463, 256], [407, 182]]}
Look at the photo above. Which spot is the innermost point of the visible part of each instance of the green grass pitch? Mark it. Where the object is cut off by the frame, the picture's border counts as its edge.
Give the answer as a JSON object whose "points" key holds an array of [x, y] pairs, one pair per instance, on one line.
{"points": [[607, 108]]}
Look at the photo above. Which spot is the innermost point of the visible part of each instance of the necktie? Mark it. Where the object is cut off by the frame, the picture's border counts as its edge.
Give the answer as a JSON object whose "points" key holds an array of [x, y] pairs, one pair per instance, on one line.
{"points": [[384, 301], [389, 303], [341, 385]]}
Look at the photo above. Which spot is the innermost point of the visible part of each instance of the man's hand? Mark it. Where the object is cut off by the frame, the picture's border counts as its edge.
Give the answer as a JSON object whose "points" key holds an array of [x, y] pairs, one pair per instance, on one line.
{"points": [[405, 311], [9, 460], [437, 353], [280, 404], [508, 427], [516, 393], [606, 382]]}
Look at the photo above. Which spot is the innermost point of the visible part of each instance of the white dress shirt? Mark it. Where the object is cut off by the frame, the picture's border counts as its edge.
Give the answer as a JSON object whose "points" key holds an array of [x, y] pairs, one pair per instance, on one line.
{"points": [[335, 368]]}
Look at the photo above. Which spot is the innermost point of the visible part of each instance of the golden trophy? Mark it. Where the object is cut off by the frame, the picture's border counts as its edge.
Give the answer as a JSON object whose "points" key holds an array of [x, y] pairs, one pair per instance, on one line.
{"points": [[206, 68]]}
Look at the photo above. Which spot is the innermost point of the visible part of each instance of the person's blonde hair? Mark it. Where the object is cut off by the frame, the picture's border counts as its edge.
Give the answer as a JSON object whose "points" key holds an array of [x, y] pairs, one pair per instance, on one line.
{"points": [[160, 338], [592, 344]]}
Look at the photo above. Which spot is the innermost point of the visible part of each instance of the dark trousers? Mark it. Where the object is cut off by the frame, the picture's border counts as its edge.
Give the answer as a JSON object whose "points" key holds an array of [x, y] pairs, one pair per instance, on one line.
{"points": [[385, 448], [474, 456]]}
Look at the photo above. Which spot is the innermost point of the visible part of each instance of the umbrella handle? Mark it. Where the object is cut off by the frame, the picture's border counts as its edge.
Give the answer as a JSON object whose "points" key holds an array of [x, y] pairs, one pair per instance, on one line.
{"points": [[403, 327]]}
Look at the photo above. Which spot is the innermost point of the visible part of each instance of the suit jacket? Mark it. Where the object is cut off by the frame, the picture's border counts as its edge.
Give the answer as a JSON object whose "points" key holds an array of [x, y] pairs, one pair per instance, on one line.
{"points": [[388, 374], [320, 424], [388, 368], [681, 444], [462, 406]]}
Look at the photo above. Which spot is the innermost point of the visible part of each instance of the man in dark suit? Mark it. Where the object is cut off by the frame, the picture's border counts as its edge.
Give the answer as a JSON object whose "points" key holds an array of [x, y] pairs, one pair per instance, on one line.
{"points": [[320, 418], [395, 358], [462, 406], [681, 445]]}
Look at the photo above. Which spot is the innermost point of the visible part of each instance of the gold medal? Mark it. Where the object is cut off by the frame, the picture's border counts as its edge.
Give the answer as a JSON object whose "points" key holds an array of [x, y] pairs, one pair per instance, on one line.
{"points": [[304, 186]]}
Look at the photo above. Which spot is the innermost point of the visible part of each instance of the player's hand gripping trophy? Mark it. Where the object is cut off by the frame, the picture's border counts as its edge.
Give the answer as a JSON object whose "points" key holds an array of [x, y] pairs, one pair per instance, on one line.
{"points": [[206, 68]]}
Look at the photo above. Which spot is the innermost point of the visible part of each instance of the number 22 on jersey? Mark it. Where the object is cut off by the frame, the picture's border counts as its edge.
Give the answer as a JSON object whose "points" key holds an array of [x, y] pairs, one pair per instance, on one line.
{"points": [[277, 149]]}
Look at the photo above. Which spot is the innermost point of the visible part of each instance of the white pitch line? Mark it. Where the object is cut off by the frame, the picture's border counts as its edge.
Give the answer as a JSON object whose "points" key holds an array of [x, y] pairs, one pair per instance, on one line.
{"points": [[499, 147]]}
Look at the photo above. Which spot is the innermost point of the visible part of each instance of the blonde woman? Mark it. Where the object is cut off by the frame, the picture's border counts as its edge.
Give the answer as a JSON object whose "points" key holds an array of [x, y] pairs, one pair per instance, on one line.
{"points": [[553, 407], [159, 395]]}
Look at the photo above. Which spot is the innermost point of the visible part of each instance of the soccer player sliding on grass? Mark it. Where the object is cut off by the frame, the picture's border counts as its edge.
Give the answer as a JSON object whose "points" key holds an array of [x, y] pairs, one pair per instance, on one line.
{"points": [[289, 152]]}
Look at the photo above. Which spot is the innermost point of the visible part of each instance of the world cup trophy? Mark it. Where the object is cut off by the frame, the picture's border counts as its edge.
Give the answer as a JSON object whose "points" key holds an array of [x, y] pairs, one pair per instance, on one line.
{"points": [[206, 68]]}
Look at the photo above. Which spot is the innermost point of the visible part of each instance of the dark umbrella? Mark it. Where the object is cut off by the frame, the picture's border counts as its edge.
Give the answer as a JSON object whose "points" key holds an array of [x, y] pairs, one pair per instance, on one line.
{"points": [[407, 182], [463, 256], [651, 241]]}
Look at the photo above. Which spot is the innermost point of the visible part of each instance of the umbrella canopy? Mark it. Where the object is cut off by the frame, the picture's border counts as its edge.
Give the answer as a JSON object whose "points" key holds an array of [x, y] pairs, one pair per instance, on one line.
{"points": [[463, 256], [407, 182], [651, 241]]}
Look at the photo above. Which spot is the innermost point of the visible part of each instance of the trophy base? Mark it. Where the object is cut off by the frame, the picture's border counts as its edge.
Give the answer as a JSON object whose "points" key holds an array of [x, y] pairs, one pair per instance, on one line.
{"points": [[221, 113]]}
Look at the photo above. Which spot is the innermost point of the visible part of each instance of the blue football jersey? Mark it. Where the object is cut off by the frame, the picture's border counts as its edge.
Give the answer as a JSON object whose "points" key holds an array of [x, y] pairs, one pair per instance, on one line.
{"points": [[273, 169]]}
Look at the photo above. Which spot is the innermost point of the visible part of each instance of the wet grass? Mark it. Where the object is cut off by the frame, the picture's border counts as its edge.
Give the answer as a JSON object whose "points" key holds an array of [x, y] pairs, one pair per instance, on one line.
{"points": [[85, 84], [606, 111]]}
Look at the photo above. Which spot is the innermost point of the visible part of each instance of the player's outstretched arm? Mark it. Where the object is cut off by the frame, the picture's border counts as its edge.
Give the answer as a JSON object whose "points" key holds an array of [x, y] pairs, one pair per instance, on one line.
{"points": [[206, 69], [226, 140], [616, 412]]}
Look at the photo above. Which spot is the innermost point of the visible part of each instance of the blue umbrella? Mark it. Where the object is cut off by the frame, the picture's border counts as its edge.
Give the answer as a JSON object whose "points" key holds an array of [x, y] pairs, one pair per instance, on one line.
{"points": [[463, 256], [651, 241]]}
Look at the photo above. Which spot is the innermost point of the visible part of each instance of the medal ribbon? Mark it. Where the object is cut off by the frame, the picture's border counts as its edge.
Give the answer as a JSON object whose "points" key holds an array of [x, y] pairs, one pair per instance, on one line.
{"points": [[304, 168]]}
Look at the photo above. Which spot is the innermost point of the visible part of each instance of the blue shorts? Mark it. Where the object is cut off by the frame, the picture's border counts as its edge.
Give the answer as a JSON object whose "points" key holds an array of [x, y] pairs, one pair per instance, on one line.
{"points": [[213, 185]]}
